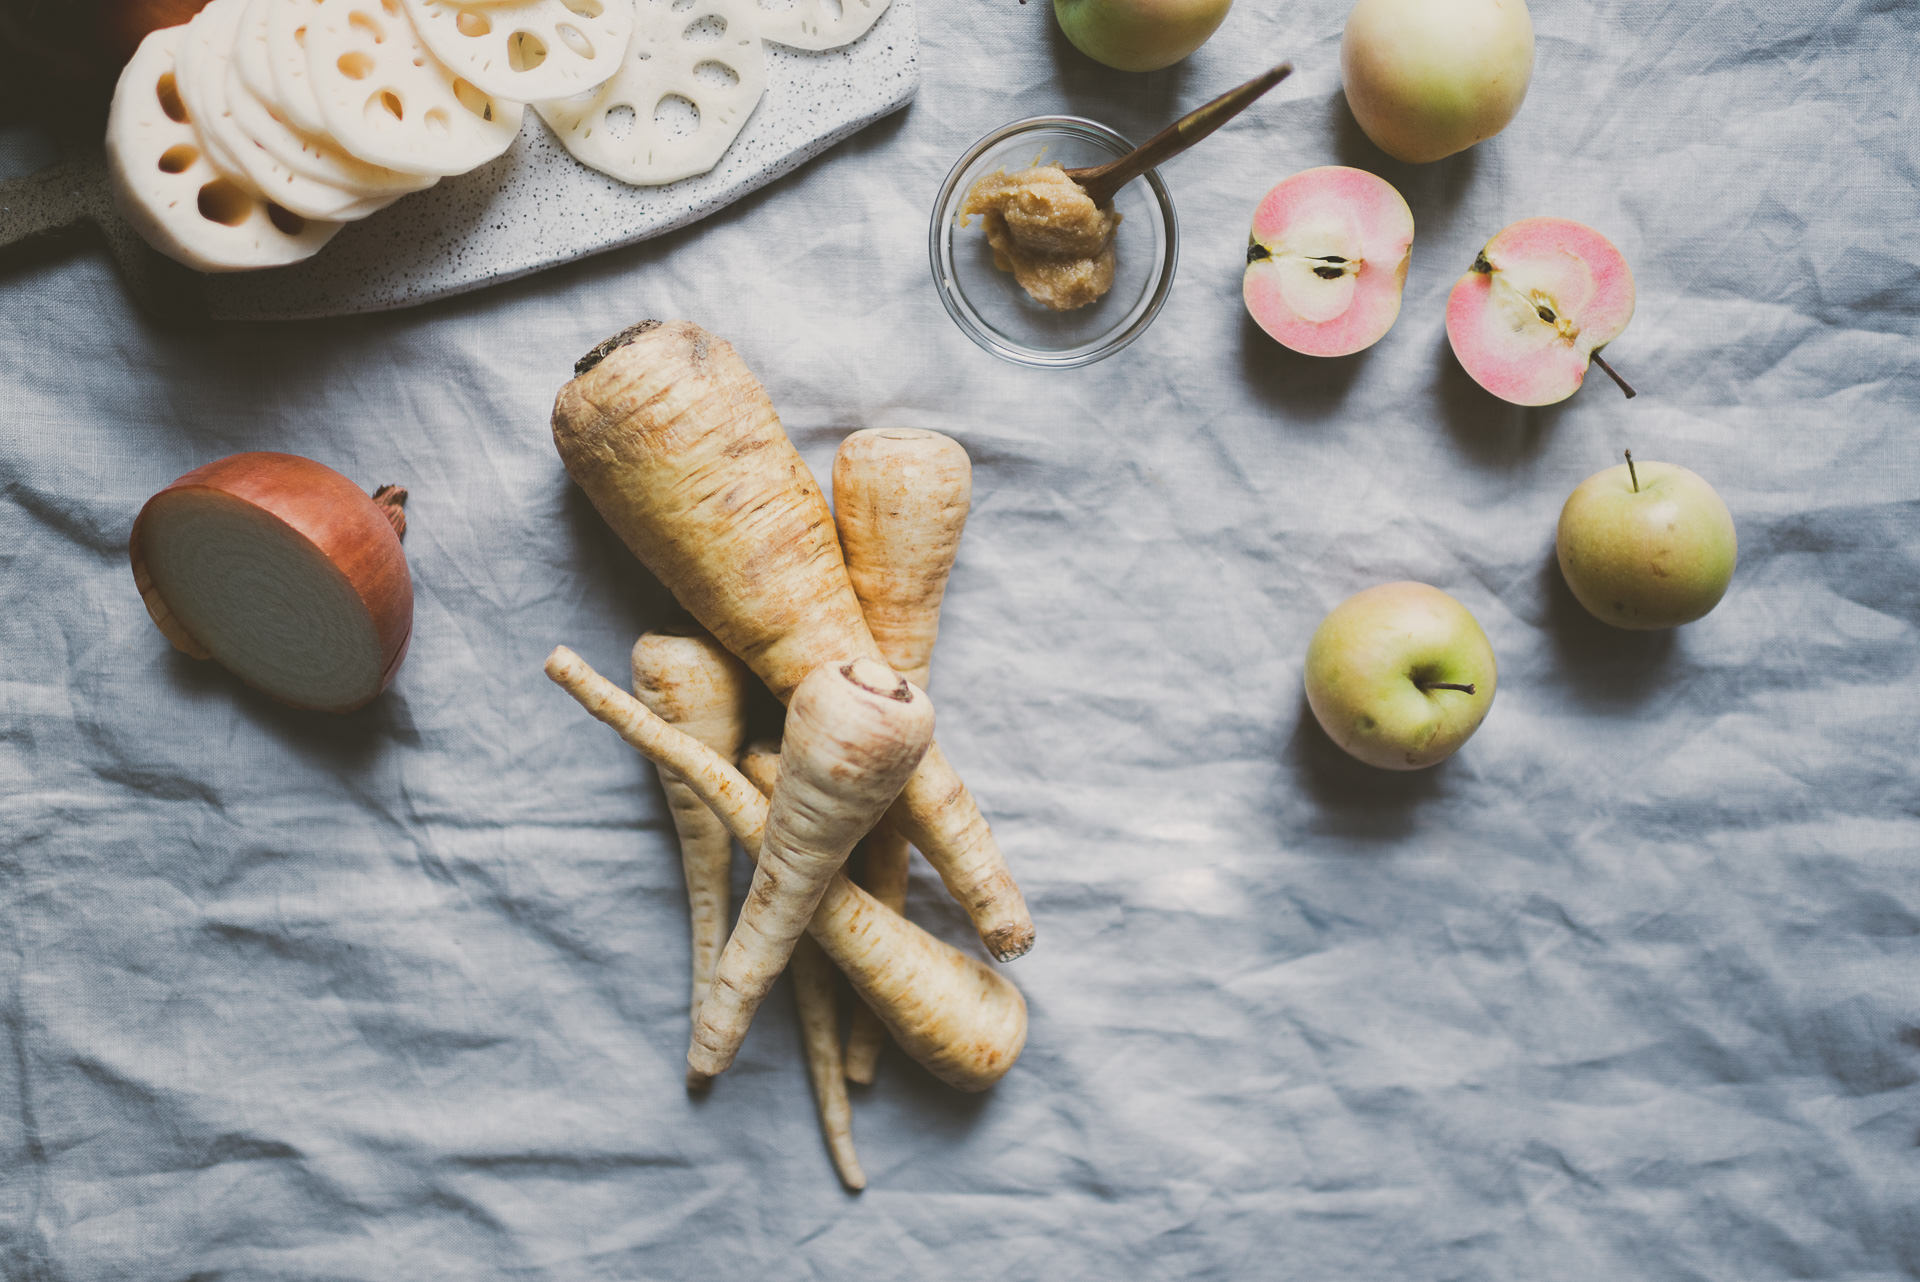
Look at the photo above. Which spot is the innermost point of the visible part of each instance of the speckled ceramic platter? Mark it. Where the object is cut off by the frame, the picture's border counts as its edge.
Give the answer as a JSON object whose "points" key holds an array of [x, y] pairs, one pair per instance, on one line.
{"points": [[534, 207], [537, 206]]}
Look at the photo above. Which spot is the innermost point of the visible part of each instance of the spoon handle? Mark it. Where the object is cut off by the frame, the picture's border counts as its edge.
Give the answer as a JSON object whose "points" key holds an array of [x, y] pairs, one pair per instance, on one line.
{"points": [[1103, 181]]}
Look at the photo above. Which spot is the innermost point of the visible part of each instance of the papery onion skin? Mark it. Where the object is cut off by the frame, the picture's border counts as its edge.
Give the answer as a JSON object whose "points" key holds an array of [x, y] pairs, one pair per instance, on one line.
{"points": [[353, 532]]}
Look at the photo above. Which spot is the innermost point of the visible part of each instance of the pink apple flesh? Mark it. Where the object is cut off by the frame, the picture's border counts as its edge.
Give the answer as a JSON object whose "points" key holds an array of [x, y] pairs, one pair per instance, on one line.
{"points": [[1541, 298], [1327, 260]]}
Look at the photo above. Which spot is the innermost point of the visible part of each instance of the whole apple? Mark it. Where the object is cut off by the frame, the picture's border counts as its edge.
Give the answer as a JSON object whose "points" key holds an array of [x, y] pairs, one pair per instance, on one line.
{"points": [[1139, 35], [1427, 78], [1400, 675], [1647, 545]]}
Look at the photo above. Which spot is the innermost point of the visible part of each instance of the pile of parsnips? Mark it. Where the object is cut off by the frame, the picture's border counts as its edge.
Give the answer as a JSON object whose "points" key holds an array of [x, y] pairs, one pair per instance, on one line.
{"points": [[680, 450]]}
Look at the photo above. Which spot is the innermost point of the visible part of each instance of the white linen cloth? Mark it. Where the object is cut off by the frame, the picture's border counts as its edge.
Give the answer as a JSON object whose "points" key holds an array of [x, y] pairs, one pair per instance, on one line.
{"points": [[1627, 989]]}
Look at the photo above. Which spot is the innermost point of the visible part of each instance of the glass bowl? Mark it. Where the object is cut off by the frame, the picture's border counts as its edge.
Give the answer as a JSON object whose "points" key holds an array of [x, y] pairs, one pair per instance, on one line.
{"points": [[991, 308]]}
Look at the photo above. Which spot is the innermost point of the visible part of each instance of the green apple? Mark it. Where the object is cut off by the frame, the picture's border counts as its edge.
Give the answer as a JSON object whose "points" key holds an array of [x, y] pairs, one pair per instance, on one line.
{"points": [[1646, 545], [1400, 675], [1427, 78], [1139, 35]]}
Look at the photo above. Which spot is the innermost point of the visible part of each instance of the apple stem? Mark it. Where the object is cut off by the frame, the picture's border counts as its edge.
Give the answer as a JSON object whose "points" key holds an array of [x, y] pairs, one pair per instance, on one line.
{"points": [[1625, 386], [1631, 474], [1448, 685]]}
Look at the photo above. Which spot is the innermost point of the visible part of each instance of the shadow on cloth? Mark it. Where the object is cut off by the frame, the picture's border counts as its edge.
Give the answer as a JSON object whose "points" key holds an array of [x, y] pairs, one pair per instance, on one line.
{"points": [[1604, 668], [1489, 431], [1356, 799], [1311, 387]]}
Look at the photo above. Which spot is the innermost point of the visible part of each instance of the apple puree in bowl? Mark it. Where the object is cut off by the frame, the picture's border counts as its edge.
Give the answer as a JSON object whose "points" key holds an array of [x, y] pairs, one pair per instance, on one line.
{"points": [[1047, 231]]}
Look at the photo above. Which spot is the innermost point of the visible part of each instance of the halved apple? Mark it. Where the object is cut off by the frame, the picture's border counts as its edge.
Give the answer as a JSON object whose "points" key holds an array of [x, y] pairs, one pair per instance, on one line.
{"points": [[1539, 301], [1327, 260]]}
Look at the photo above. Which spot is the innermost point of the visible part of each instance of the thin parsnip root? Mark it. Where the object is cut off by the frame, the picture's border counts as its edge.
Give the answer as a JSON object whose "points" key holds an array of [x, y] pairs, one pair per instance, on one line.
{"points": [[955, 1015], [900, 499], [690, 681], [721, 787], [854, 731], [882, 872], [678, 447], [817, 1003], [815, 997]]}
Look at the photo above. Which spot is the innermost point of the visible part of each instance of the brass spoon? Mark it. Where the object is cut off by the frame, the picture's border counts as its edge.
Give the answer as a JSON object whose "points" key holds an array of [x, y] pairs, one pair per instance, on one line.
{"points": [[1102, 182]]}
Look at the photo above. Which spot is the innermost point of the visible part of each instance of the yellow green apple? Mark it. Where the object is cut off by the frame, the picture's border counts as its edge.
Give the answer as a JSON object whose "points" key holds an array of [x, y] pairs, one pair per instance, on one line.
{"points": [[1646, 545], [1400, 675], [1427, 78], [1139, 35]]}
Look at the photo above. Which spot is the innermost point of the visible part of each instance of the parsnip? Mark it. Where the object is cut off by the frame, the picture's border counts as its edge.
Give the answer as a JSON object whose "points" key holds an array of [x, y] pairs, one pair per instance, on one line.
{"points": [[816, 1002], [900, 499], [678, 447], [854, 732], [689, 680], [958, 1017]]}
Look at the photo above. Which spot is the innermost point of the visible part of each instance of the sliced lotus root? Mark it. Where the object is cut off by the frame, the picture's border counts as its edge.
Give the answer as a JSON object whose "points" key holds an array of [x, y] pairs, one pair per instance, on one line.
{"points": [[262, 112], [390, 102], [205, 74], [262, 118], [818, 24], [166, 188], [690, 79], [314, 156], [304, 193], [287, 61], [528, 50], [253, 56], [200, 62]]}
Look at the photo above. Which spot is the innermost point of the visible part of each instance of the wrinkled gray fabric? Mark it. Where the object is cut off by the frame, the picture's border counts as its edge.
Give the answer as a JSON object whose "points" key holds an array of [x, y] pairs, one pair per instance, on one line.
{"points": [[1628, 989]]}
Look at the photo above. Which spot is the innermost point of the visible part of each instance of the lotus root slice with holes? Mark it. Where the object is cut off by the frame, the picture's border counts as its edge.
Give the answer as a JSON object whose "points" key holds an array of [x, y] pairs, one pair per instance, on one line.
{"points": [[389, 101], [172, 195], [287, 22], [207, 79], [302, 193], [315, 155], [261, 109], [819, 24], [528, 50], [200, 76], [707, 56]]}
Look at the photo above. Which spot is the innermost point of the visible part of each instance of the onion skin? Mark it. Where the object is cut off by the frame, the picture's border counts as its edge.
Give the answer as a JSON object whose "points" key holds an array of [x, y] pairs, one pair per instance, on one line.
{"points": [[354, 533]]}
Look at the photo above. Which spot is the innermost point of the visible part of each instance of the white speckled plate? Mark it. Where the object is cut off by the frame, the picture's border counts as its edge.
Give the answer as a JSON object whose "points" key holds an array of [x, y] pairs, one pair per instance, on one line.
{"points": [[536, 206]]}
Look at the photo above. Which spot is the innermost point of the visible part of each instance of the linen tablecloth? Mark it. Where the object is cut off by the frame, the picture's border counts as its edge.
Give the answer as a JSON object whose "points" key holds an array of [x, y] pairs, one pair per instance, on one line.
{"points": [[1628, 989]]}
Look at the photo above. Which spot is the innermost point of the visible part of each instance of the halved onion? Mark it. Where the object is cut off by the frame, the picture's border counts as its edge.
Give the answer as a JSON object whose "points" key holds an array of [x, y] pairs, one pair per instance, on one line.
{"points": [[282, 571]]}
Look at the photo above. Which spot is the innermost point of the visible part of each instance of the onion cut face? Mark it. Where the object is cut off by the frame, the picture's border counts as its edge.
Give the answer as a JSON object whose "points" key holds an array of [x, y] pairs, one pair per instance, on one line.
{"points": [[284, 572]]}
